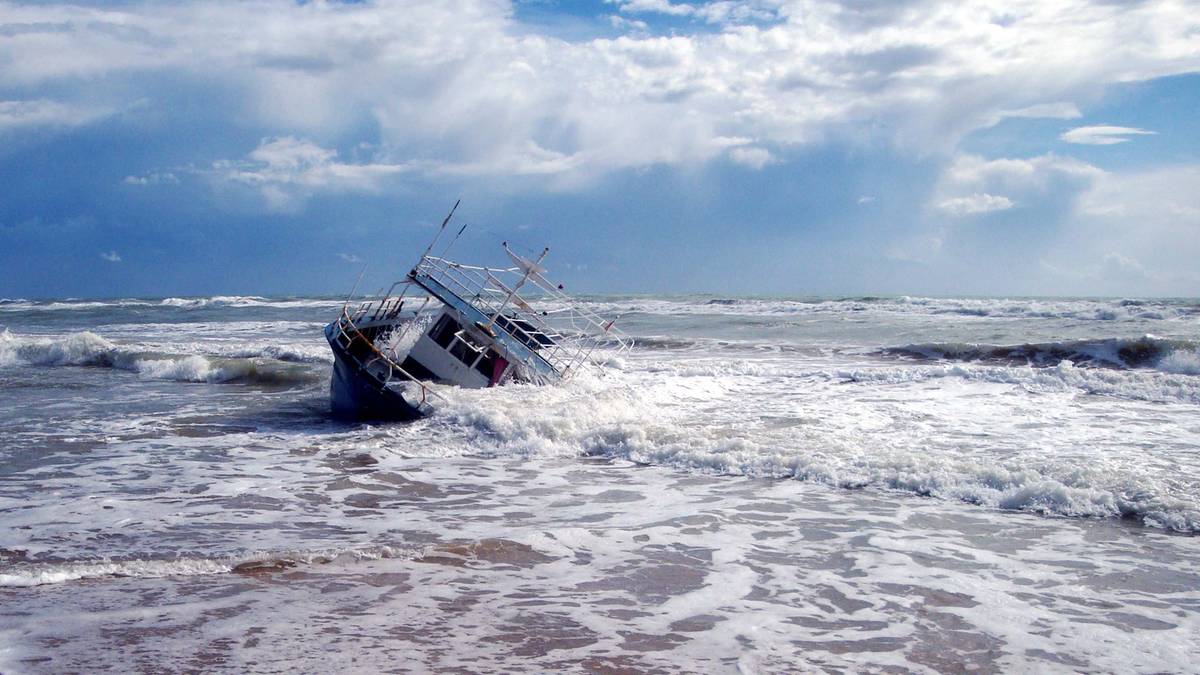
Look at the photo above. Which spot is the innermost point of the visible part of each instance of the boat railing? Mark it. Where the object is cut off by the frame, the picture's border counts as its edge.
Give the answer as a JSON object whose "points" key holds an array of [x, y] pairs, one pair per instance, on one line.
{"points": [[348, 333], [568, 344]]}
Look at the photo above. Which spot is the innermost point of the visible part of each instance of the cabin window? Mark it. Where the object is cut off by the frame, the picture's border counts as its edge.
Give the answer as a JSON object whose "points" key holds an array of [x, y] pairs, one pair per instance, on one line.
{"points": [[524, 331], [462, 350], [443, 332], [486, 363]]}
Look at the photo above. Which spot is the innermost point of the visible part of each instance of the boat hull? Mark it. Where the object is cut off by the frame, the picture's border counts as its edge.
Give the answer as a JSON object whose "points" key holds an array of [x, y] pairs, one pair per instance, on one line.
{"points": [[356, 393]]}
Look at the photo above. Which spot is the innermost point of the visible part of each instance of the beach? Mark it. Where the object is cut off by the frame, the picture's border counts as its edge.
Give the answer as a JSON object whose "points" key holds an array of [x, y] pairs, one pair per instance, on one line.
{"points": [[878, 484]]}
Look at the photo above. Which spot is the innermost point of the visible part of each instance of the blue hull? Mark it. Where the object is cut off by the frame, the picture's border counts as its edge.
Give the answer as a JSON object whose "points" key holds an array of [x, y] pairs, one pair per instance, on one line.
{"points": [[355, 393]]}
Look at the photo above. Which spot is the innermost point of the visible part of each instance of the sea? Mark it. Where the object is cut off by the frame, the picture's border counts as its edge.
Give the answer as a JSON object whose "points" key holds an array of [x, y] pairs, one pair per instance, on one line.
{"points": [[858, 484]]}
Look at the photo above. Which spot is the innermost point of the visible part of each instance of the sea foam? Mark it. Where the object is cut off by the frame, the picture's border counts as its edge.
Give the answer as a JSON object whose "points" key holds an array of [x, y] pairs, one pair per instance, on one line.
{"points": [[657, 418], [88, 349], [39, 574]]}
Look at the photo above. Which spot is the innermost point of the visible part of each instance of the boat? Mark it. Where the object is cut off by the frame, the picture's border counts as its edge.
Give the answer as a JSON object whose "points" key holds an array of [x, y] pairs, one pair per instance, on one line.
{"points": [[450, 323]]}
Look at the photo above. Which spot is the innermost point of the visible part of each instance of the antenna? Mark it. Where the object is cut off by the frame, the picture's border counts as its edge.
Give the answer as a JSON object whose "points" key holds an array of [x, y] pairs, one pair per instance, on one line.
{"points": [[441, 229], [460, 231], [352, 290]]}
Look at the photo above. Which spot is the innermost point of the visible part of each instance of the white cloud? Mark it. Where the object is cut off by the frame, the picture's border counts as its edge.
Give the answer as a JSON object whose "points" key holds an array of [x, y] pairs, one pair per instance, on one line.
{"points": [[350, 257], [719, 12], [1115, 266], [1057, 111], [1166, 195], [866, 199], [972, 185], [755, 158], [1134, 232], [111, 256], [154, 178], [730, 12], [975, 204], [655, 7], [462, 87], [287, 170], [633, 25], [44, 112], [1102, 135]]}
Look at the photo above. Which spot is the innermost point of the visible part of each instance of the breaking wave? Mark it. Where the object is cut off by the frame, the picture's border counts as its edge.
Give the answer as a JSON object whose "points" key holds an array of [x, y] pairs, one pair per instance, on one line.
{"points": [[287, 353], [1153, 386], [586, 418], [88, 349], [245, 301], [21, 304], [1172, 356], [969, 308]]}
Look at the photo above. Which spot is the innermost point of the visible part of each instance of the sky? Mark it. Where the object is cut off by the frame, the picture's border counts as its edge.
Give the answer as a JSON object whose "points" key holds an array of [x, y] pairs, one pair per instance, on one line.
{"points": [[736, 147]]}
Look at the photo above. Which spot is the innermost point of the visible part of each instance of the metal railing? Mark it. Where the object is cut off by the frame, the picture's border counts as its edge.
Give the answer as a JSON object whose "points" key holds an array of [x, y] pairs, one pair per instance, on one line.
{"points": [[494, 291], [349, 333]]}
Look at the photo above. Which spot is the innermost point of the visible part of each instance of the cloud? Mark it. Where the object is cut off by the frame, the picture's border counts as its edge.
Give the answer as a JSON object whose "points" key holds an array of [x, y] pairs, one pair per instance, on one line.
{"points": [[1130, 232], [655, 7], [720, 12], [462, 87], [755, 158], [287, 170], [1115, 266], [1059, 111], [350, 257], [154, 178], [866, 199], [1102, 135], [973, 185], [975, 204], [46, 113], [111, 256], [633, 25]]}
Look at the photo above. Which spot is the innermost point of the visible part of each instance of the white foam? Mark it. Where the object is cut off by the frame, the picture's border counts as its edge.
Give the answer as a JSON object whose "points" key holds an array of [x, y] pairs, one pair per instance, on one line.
{"points": [[187, 369], [1182, 362], [750, 421], [294, 353], [88, 349], [84, 348], [968, 309], [39, 574], [1136, 385], [244, 301]]}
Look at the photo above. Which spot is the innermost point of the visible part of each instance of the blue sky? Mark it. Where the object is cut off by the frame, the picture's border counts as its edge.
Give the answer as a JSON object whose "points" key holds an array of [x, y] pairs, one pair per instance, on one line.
{"points": [[750, 147]]}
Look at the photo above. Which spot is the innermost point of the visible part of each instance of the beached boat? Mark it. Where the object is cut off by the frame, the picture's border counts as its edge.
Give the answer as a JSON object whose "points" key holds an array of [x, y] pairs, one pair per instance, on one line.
{"points": [[467, 325]]}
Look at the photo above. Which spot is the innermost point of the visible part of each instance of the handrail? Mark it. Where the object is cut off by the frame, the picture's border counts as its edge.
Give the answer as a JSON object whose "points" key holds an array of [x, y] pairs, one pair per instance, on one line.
{"points": [[568, 342], [380, 355], [474, 284]]}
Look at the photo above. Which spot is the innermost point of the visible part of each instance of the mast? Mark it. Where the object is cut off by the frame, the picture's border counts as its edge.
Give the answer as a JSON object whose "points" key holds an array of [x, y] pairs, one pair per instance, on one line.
{"points": [[440, 231], [529, 268]]}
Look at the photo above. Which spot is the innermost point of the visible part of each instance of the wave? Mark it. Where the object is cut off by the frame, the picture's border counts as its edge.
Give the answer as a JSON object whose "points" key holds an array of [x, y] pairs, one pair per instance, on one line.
{"points": [[246, 301], [645, 423], [1168, 355], [665, 343], [30, 305], [1125, 310], [242, 301], [39, 574], [1153, 386], [1120, 310], [215, 300], [88, 349], [288, 353], [167, 303]]}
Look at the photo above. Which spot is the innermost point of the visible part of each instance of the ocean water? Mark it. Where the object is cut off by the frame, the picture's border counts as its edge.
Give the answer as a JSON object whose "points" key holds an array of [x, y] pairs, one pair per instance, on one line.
{"points": [[760, 485]]}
